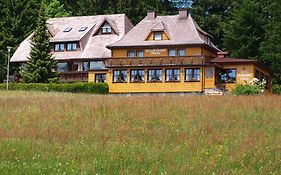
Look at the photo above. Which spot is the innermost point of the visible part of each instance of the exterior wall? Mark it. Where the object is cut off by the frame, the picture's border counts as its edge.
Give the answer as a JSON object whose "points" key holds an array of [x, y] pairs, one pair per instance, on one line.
{"points": [[160, 52], [244, 73], [92, 74], [163, 86]]}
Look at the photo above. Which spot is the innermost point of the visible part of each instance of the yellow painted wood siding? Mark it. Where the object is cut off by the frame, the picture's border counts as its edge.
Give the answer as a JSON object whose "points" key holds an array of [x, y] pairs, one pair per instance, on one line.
{"points": [[163, 86], [209, 81], [244, 73]]}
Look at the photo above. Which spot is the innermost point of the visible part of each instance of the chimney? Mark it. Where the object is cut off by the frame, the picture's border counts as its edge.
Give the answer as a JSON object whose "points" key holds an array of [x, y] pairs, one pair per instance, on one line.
{"points": [[151, 14], [222, 54], [183, 13]]}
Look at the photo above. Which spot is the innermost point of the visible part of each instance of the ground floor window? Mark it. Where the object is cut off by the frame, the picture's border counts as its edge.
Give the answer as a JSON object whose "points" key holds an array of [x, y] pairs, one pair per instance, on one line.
{"points": [[120, 76], [154, 75], [137, 75], [100, 78], [172, 74], [192, 74], [63, 67], [227, 75]]}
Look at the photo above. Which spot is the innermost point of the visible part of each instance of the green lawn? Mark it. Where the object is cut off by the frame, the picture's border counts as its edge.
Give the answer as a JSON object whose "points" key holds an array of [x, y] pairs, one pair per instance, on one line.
{"points": [[61, 133]]}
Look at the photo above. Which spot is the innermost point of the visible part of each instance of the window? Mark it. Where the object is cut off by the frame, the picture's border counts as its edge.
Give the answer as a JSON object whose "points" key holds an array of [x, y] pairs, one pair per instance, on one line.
{"points": [[94, 65], [192, 74], [140, 53], [77, 66], [106, 29], [62, 67], [71, 46], [119, 76], [227, 75], [100, 78], [131, 53], [82, 29], [181, 52], [172, 52], [158, 36], [172, 74], [86, 66], [137, 75], [59, 47], [155, 75], [68, 29], [209, 72]]}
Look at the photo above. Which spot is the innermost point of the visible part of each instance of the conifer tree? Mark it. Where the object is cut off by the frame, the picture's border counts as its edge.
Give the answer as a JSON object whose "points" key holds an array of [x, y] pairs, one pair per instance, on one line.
{"points": [[41, 67], [54, 9]]}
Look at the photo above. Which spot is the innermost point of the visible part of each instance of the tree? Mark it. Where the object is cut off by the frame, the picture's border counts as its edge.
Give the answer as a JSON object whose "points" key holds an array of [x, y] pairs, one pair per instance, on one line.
{"points": [[54, 9], [41, 67], [17, 19], [243, 31], [271, 45], [210, 15]]}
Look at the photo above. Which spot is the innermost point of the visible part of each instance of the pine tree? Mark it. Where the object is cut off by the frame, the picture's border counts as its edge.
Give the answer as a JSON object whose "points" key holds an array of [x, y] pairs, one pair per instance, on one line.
{"points": [[41, 66], [17, 21], [243, 31], [54, 9], [271, 46]]}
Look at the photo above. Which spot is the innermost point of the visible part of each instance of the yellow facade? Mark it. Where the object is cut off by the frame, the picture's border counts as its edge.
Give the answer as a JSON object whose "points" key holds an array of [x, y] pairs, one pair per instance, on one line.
{"points": [[161, 52], [130, 87]]}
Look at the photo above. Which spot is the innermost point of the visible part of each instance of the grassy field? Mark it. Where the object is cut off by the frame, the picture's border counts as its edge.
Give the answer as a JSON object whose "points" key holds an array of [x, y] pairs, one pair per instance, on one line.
{"points": [[57, 133]]}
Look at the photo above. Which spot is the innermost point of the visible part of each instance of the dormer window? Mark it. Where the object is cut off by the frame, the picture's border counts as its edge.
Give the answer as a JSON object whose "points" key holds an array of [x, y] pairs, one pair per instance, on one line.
{"points": [[72, 46], [68, 29], [59, 47], [106, 29], [158, 36]]}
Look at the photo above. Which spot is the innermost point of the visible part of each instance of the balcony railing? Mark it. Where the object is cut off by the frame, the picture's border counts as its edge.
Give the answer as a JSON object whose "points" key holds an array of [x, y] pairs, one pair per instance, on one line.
{"points": [[159, 61], [73, 76]]}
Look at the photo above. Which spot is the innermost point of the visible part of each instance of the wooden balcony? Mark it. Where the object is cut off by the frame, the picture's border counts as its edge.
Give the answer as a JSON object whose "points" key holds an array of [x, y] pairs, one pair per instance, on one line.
{"points": [[73, 76], [159, 61]]}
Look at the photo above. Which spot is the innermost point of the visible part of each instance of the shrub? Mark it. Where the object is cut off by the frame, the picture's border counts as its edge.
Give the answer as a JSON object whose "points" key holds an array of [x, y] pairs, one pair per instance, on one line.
{"points": [[94, 88], [276, 89], [254, 87]]}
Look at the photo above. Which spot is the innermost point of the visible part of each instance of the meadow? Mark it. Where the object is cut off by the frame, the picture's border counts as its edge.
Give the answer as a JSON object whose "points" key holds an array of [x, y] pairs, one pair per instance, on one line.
{"points": [[63, 133]]}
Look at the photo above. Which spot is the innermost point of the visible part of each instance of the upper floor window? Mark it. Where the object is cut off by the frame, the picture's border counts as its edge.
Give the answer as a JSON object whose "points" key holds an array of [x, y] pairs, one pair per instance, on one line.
{"points": [[181, 52], [227, 75], [140, 53], [82, 29], [158, 36], [120, 76], [155, 75], [106, 29], [86, 66], [172, 52], [172, 74], [131, 53], [59, 47], [192, 74], [68, 29], [137, 75], [71, 46]]}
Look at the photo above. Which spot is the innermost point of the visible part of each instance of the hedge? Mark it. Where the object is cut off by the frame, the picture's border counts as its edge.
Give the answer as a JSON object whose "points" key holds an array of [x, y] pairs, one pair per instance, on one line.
{"points": [[276, 89], [93, 88]]}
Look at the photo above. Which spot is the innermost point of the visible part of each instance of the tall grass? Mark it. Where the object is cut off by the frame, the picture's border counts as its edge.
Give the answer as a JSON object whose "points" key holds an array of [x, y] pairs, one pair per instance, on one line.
{"points": [[52, 133]]}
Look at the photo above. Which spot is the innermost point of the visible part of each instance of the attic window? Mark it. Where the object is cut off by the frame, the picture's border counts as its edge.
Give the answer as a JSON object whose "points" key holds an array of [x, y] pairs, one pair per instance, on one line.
{"points": [[106, 29], [158, 36], [68, 29], [82, 29]]}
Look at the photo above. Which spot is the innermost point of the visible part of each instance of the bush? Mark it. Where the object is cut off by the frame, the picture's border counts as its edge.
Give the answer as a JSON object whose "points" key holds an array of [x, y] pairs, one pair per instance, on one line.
{"points": [[94, 88], [246, 90], [276, 89], [253, 87]]}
